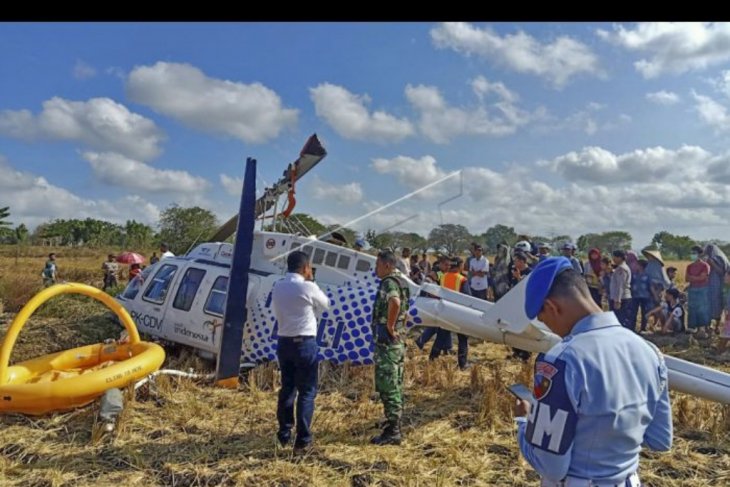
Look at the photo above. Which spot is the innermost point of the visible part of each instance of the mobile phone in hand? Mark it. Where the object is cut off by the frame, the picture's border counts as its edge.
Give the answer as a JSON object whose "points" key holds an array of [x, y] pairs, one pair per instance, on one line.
{"points": [[521, 391]]}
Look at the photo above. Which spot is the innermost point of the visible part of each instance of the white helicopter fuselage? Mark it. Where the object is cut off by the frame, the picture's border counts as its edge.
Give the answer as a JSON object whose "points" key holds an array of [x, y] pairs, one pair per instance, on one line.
{"points": [[182, 299]]}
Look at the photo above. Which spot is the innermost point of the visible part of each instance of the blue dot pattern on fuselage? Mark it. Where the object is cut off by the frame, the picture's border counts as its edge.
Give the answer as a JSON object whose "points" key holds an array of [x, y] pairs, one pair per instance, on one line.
{"points": [[344, 333]]}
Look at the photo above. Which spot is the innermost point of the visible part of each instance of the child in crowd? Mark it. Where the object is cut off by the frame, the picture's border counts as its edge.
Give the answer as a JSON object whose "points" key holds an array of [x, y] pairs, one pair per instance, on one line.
{"points": [[674, 319], [672, 275], [656, 317]]}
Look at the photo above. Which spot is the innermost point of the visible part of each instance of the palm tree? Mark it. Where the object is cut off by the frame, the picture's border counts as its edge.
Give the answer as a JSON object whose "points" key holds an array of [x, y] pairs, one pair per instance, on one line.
{"points": [[5, 226]]}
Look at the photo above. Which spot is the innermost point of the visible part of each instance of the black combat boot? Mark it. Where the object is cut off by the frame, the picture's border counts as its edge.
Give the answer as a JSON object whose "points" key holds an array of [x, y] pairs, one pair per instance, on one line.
{"points": [[390, 435]]}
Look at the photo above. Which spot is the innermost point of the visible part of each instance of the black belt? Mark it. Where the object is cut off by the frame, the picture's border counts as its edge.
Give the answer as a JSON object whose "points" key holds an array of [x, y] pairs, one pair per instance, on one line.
{"points": [[298, 338]]}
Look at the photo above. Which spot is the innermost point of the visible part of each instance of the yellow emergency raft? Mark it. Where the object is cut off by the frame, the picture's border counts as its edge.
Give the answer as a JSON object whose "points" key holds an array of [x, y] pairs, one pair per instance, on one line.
{"points": [[72, 378]]}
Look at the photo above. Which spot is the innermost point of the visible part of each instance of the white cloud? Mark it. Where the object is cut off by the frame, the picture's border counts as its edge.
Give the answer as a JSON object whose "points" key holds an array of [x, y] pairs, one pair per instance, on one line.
{"points": [[440, 122], [83, 71], [100, 123], [346, 194], [722, 83], [598, 165], [483, 87], [719, 170], [33, 200], [116, 71], [595, 106], [556, 61], [673, 48], [348, 115], [587, 120], [118, 170], [233, 186], [643, 191], [252, 112], [663, 97], [412, 173], [13, 180], [712, 112]]}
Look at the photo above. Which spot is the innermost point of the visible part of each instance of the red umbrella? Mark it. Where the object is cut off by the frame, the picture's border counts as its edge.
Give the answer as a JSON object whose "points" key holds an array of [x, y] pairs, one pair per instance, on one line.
{"points": [[130, 258]]}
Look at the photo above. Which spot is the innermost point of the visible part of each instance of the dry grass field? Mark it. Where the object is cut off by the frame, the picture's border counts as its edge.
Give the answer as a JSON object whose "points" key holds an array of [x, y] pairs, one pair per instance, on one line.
{"points": [[458, 425]]}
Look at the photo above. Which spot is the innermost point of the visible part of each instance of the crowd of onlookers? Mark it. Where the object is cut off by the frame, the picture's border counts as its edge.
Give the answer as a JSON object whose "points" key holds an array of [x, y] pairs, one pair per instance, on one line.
{"points": [[639, 289]]}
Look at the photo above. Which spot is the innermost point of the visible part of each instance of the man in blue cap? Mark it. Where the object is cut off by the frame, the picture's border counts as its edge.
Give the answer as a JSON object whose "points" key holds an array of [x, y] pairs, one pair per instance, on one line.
{"points": [[600, 394]]}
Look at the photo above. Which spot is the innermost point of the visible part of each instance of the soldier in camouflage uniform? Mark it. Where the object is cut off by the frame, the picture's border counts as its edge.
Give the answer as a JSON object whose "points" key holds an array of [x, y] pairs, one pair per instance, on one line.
{"points": [[389, 320]]}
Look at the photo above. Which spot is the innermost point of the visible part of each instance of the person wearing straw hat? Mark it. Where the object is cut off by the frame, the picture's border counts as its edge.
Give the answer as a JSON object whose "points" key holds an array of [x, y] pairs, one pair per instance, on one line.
{"points": [[658, 278], [592, 408]]}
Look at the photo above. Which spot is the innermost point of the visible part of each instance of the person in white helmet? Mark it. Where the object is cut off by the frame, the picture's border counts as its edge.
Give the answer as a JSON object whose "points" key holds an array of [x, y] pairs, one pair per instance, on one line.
{"points": [[525, 247]]}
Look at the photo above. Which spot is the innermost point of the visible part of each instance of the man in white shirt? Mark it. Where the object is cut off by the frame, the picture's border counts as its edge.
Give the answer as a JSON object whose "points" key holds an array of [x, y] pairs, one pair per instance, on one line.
{"points": [[295, 300], [479, 272], [404, 263], [165, 251]]}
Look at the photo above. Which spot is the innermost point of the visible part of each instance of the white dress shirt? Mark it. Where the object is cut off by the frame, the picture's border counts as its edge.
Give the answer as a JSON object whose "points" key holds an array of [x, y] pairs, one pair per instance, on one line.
{"points": [[295, 302], [479, 283], [166, 254], [403, 264]]}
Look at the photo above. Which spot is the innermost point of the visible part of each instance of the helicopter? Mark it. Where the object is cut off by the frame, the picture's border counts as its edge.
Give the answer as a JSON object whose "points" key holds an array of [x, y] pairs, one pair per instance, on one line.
{"points": [[182, 299]]}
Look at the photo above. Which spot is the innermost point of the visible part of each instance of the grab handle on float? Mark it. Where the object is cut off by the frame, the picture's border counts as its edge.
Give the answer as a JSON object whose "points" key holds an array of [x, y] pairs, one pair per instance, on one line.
{"points": [[67, 288]]}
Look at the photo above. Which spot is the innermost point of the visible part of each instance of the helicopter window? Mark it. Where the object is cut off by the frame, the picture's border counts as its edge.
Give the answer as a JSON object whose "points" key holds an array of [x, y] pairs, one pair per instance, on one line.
{"points": [[157, 290], [307, 249], [136, 284], [344, 262], [318, 256], [295, 245], [331, 259], [362, 265], [217, 297], [188, 289]]}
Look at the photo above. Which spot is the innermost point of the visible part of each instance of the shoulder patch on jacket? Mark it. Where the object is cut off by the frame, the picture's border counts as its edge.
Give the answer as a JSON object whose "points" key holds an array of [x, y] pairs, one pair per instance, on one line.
{"points": [[552, 420]]}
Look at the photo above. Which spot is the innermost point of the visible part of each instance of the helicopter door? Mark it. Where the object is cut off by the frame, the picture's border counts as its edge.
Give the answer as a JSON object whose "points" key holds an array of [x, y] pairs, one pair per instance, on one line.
{"points": [[184, 318], [150, 306]]}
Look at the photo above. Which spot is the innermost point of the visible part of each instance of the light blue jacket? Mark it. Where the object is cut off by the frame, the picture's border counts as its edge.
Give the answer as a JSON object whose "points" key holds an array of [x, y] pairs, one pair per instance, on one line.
{"points": [[601, 393]]}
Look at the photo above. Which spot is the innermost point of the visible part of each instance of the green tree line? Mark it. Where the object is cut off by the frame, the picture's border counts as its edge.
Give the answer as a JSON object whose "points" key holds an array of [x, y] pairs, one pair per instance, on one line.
{"points": [[182, 228]]}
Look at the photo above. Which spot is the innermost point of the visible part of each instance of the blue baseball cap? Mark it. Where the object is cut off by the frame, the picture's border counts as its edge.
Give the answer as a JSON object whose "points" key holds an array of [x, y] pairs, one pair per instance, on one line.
{"points": [[540, 281]]}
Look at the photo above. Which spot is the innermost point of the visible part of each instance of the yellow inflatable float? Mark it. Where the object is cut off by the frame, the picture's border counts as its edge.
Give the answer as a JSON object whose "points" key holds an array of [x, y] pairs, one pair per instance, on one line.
{"points": [[72, 378]]}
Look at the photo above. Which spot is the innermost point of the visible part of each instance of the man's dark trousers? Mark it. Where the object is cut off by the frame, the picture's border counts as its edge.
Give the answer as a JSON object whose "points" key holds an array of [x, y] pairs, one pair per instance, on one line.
{"points": [[298, 363], [482, 294]]}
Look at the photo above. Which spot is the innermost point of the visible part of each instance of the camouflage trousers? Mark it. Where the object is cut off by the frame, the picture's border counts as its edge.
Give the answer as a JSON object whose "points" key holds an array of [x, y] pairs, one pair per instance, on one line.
{"points": [[389, 367]]}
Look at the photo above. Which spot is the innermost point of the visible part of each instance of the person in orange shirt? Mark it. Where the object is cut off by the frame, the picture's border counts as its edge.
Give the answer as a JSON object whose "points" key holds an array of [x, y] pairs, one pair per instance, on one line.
{"points": [[454, 280]]}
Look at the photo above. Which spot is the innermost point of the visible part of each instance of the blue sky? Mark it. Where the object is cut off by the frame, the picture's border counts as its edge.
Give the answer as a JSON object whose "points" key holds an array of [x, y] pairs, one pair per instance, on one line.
{"points": [[553, 128]]}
